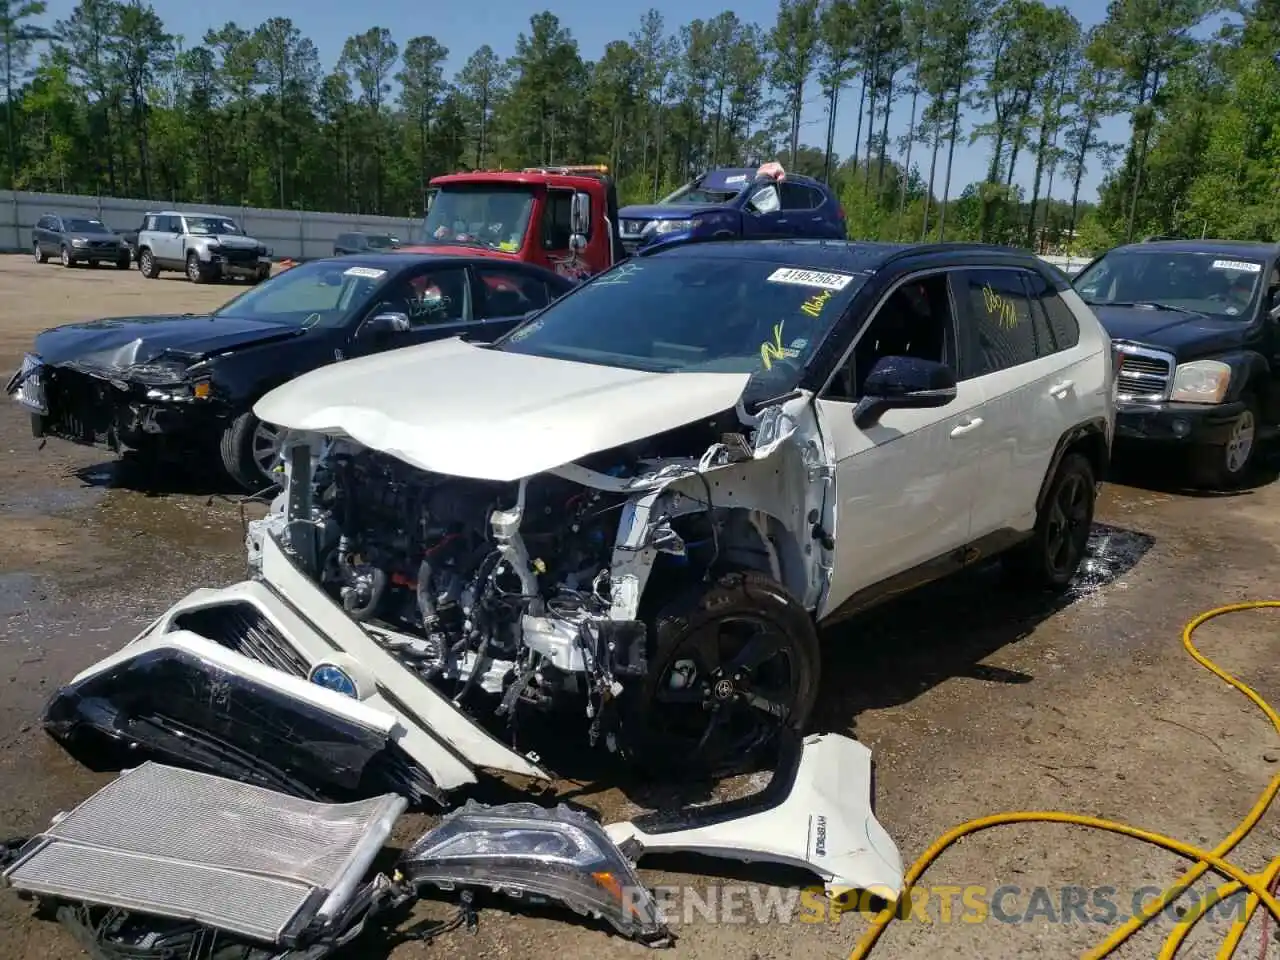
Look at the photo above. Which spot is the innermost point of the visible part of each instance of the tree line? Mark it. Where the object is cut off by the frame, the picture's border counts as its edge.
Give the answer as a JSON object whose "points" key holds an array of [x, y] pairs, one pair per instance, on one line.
{"points": [[109, 102]]}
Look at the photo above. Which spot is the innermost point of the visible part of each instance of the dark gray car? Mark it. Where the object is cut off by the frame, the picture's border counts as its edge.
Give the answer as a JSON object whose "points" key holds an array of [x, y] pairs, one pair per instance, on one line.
{"points": [[348, 243], [76, 240]]}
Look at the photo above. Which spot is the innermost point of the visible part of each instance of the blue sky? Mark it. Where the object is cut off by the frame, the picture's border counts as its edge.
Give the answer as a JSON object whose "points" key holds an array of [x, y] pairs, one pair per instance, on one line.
{"points": [[460, 27]]}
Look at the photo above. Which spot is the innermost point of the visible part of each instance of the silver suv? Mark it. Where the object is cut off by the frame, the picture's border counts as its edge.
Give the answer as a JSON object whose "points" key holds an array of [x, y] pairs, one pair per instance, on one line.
{"points": [[205, 246]]}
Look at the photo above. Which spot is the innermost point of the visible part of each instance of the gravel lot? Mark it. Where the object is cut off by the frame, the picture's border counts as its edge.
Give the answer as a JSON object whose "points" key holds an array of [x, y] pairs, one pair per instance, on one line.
{"points": [[973, 700]]}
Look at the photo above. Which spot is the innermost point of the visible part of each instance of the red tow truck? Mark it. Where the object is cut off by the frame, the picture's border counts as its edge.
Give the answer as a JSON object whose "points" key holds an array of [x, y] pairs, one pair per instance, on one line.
{"points": [[562, 218]]}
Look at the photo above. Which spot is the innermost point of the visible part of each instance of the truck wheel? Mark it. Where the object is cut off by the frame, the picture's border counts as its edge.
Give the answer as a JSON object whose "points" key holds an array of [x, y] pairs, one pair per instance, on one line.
{"points": [[1050, 559], [1225, 465], [195, 272], [147, 264], [40, 256], [64, 255], [250, 450], [731, 663]]}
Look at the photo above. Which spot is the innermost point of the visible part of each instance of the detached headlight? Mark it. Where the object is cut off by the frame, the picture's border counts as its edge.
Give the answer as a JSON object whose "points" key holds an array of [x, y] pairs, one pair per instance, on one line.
{"points": [[523, 849], [1202, 381], [79, 242]]}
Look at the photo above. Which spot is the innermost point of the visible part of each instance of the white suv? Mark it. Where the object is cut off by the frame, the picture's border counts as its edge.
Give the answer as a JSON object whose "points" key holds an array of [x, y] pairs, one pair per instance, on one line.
{"points": [[649, 496]]}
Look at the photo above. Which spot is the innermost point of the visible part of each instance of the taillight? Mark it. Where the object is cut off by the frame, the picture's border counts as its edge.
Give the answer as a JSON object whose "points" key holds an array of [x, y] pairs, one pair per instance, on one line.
{"points": [[840, 211]]}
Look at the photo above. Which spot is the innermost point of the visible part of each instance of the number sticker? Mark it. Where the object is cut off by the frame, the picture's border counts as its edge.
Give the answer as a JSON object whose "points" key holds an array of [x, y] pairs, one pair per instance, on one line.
{"points": [[810, 278], [369, 273], [740, 178], [1244, 266]]}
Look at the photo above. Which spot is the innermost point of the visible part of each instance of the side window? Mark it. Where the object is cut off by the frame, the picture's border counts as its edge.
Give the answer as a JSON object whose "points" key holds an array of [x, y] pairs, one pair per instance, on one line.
{"points": [[440, 295], [1051, 312], [765, 200], [43, 224], [914, 321], [797, 196], [556, 221], [508, 293], [343, 240], [997, 321]]}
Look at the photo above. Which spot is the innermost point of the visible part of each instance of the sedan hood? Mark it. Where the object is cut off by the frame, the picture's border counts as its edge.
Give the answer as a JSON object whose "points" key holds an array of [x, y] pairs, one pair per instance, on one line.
{"points": [[116, 343], [1183, 334], [455, 408]]}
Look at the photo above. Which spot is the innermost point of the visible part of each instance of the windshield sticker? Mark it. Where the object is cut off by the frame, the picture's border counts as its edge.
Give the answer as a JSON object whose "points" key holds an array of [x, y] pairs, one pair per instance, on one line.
{"points": [[810, 278], [999, 309], [1243, 266], [740, 178], [813, 306], [369, 273], [622, 274]]}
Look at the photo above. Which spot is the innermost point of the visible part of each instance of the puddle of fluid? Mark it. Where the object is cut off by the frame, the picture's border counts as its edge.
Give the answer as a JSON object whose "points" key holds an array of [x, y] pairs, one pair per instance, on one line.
{"points": [[1113, 552]]}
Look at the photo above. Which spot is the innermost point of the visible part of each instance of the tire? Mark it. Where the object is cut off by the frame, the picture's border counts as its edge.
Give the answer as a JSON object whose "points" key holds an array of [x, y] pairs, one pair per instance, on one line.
{"points": [[195, 272], [124, 263], [64, 255], [1051, 558], [260, 276], [38, 254], [147, 264], [1225, 466], [237, 450], [662, 725]]}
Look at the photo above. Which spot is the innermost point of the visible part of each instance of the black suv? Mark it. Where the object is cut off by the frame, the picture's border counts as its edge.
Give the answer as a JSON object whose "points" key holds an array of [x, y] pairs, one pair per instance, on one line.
{"points": [[364, 243], [76, 240], [1196, 328]]}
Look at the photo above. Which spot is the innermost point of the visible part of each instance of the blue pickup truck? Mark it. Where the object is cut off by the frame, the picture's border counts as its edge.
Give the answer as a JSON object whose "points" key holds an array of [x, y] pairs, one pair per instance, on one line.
{"points": [[737, 202]]}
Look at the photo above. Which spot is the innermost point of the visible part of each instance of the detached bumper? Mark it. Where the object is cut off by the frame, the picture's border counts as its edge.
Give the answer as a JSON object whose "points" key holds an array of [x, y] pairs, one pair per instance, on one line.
{"points": [[1190, 423], [220, 681], [239, 266]]}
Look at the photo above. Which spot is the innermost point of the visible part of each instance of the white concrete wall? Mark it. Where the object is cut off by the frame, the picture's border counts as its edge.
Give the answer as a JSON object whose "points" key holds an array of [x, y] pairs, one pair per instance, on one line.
{"points": [[289, 233]]}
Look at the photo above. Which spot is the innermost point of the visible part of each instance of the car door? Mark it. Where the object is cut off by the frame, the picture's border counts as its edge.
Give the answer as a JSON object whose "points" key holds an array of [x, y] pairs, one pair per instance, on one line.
{"points": [[504, 296], [1030, 393], [762, 214], [166, 242], [800, 214], [904, 487], [435, 299]]}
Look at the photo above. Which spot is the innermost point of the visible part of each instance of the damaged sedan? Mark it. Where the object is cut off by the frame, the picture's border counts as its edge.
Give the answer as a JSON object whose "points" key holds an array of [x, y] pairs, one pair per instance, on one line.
{"points": [[184, 386], [637, 508]]}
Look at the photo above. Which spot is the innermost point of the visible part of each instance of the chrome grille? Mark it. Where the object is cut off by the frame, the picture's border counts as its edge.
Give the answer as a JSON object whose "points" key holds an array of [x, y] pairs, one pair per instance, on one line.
{"points": [[1143, 374], [30, 392], [243, 628], [187, 845]]}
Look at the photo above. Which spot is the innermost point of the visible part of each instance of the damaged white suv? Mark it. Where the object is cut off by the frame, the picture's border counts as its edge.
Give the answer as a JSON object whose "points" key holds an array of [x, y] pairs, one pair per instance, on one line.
{"points": [[642, 503]]}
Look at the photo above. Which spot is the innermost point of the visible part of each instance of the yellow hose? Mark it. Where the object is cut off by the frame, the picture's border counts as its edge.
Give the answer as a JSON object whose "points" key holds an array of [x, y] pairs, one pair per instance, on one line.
{"points": [[1258, 884]]}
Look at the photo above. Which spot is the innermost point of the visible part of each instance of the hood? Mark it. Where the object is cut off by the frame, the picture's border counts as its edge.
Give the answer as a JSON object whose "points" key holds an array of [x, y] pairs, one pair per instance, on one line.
{"points": [[1180, 333], [93, 235], [117, 343], [668, 211], [455, 408], [233, 240]]}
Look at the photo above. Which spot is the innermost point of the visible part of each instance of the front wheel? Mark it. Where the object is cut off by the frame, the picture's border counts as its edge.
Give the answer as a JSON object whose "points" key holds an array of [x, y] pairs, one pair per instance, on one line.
{"points": [[731, 664], [39, 255], [64, 256], [195, 272], [124, 263], [1050, 559], [1223, 466], [147, 265], [250, 451]]}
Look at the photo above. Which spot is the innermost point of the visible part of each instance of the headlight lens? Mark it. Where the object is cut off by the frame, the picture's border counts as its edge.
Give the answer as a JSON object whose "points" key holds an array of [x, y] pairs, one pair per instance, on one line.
{"points": [[78, 242], [1201, 381], [658, 227], [159, 372]]}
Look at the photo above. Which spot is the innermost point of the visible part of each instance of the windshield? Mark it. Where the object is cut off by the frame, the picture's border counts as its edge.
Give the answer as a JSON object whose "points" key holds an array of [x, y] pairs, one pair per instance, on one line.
{"points": [[690, 194], [84, 226], [694, 314], [1210, 283], [209, 226], [321, 293], [382, 241], [494, 216]]}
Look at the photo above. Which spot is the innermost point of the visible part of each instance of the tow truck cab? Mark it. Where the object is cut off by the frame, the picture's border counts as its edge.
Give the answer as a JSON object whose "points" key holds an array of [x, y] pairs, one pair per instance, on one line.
{"points": [[561, 218]]}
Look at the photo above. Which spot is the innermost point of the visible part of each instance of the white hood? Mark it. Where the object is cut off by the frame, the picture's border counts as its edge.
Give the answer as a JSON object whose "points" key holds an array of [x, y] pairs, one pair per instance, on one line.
{"points": [[452, 407]]}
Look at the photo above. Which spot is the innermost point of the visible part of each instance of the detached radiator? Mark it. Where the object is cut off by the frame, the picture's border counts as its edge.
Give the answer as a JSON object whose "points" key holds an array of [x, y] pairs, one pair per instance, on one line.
{"points": [[188, 846]]}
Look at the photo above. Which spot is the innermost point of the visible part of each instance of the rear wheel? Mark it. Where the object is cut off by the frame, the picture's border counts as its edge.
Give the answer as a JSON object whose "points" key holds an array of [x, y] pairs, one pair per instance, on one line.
{"points": [[1050, 559], [147, 265], [250, 450]]}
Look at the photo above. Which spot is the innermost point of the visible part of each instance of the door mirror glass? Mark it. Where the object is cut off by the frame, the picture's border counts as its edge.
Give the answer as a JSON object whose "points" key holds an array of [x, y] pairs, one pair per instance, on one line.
{"points": [[904, 383], [382, 326], [580, 213]]}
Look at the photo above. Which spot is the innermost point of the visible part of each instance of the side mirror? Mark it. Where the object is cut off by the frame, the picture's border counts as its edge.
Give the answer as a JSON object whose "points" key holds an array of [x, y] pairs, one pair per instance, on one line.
{"points": [[382, 326], [903, 383], [580, 213]]}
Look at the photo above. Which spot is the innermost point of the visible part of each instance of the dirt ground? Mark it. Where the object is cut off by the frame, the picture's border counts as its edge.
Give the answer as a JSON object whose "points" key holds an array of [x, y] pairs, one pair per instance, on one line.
{"points": [[973, 700]]}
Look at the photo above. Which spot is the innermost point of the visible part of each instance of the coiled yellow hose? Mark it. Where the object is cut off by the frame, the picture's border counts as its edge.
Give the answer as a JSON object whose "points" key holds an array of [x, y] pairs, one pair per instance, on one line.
{"points": [[1258, 884]]}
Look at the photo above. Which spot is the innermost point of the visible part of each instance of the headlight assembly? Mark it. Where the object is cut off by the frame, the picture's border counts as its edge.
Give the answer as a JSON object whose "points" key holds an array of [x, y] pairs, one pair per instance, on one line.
{"points": [[657, 228], [1201, 381], [522, 849], [158, 372], [79, 242]]}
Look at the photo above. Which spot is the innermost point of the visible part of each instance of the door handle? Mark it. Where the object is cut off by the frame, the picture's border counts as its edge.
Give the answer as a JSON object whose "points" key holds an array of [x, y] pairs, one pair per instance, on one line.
{"points": [[967, 427], [817, 219], [1059, 389]]}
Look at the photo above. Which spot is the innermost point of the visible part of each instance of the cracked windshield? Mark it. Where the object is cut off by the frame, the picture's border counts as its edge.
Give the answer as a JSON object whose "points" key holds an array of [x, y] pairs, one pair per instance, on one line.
{"points": [[1206, 283], [491, 216]]}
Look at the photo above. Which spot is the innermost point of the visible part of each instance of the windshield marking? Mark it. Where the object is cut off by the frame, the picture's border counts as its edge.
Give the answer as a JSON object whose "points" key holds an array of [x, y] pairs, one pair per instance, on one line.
{"points": [[1243, 266], [813, 306], [621, 275], [999, 308], [772, 350], [369, 273], [810, 278]]}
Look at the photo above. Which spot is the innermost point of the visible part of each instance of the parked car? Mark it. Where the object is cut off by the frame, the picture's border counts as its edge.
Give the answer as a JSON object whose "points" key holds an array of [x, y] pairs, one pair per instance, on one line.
{"points": [[185, 384], [643, 501], [75, 240], [364, 243], [1196, 324], [205, 246], [738, 202]]}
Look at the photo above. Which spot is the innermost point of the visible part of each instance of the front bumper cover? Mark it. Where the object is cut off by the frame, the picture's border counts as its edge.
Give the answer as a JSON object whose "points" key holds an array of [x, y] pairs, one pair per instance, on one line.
{"points": [[1184, 423]]}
